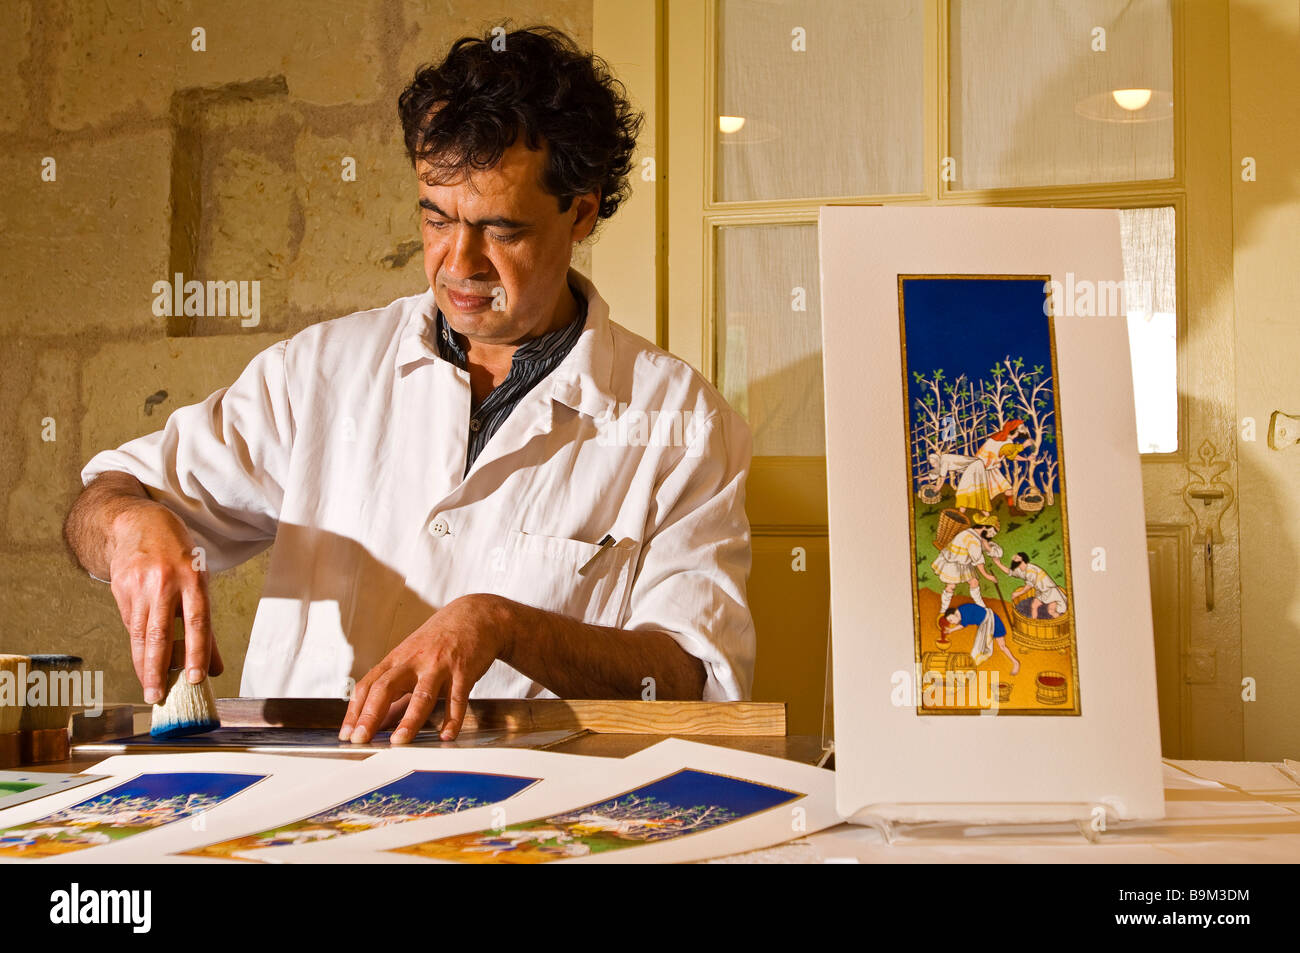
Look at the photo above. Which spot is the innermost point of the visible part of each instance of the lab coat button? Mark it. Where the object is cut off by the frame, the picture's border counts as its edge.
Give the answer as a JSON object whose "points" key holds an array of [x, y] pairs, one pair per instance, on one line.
{"points": [[474, 424], [439, 527]]}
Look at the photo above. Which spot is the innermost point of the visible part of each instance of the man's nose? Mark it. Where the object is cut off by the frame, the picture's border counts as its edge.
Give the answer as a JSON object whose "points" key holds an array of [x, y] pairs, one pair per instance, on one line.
{"points": [[466, 258]]}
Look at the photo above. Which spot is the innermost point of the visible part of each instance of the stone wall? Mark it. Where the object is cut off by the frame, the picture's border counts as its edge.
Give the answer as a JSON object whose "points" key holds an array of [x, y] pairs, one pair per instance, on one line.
{"points": [[127, 155]]}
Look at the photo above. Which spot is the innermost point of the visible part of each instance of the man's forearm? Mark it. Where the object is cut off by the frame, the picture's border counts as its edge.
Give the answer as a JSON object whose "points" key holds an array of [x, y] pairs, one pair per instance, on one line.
{"points": [[88, 528], [577, 660]]}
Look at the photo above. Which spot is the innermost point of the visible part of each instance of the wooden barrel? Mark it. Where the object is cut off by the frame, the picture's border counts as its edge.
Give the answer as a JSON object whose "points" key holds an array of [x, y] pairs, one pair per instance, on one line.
{"points": [[951, 522], [1004, 691], [1051, 688], [947, 662], [960, 662], [1040, 634], [934, 661]]}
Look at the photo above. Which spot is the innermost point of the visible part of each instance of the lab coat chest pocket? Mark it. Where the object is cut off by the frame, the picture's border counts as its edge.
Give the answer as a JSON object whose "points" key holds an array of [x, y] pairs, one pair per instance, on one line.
{"points": [[573, 577]]}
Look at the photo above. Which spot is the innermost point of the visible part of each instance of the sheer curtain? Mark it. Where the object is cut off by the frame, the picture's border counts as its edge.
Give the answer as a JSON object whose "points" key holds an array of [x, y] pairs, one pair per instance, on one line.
{"points": [[1151, 286], [769, 335], [831, 94], [1032, 91]]}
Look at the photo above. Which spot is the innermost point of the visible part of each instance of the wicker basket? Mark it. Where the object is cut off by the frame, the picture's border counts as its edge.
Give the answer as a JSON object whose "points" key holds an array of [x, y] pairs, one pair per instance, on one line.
{"points": [[1031, 501], [929, 493], [951, 522], [1051, 688], [1040, 634]]}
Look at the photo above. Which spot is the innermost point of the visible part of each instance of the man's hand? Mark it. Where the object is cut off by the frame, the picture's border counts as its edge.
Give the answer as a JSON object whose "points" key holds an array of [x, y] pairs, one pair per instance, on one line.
{"points": [[152, 575], [444, 657], [119, 533], [447, 655]]}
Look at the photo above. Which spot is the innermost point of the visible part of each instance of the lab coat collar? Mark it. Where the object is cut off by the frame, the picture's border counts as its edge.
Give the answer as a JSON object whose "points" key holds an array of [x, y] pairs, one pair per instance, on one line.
{"points": [[582, 379]]}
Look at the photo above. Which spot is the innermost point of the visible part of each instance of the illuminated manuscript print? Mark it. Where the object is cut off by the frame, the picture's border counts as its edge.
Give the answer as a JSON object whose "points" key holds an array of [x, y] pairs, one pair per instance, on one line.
{"points": [[133, 807], [992, 597], [415, 796], [683, 803]]}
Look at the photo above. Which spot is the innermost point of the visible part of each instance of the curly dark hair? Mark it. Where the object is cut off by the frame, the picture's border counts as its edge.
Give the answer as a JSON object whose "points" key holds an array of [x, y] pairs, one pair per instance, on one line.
{"points": [[463, 113]]}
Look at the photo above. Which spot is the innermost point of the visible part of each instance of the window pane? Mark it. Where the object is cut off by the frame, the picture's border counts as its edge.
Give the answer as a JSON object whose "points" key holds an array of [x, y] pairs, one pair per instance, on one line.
{"points": [[769, 354], [1151, 283], [1037, 87], [831, 97]]}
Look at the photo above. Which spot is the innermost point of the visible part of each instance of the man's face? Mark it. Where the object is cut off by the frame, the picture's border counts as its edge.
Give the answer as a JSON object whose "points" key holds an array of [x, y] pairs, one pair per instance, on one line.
{"points": [[497, 248]]}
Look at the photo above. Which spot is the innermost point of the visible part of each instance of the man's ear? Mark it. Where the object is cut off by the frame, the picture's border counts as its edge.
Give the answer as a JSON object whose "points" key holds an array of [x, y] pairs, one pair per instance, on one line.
{"points": [[586, 208]]}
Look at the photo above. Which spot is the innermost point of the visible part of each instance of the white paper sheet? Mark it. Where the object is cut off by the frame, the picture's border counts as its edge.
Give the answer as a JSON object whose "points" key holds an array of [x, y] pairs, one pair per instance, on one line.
{"points": [[386, 789], [149, 804], [890, 759], [28, 786], [709, 801]]}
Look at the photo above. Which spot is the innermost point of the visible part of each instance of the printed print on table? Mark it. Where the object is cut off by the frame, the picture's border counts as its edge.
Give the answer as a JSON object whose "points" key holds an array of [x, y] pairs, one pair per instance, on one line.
{"points": [[992, 601], [686, 802], [412, 797], [141, 804]]}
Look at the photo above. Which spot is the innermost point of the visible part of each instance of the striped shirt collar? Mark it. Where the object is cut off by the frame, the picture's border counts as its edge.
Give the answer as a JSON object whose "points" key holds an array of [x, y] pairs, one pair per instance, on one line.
{"points": [[583, 381], [549, 348]]}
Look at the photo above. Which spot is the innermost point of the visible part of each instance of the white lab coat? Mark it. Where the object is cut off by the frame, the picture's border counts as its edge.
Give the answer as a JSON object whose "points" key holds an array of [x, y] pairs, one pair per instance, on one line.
{"points": [[345, 446]]}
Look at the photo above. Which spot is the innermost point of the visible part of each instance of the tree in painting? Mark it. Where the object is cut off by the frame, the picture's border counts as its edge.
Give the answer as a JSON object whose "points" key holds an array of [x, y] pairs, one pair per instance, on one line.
{"points": [[953, 418]]}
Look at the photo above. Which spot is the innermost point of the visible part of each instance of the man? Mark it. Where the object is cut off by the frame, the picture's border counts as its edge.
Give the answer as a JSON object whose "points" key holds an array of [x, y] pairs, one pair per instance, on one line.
{"points": [[962, 558], [989, 632], [1040, 597], [450, 513]]}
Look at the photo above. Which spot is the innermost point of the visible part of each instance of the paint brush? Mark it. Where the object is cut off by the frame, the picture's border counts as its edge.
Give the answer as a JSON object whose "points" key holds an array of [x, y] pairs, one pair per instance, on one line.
{"points": [[187, 709], [12, 691], [43, 731]]}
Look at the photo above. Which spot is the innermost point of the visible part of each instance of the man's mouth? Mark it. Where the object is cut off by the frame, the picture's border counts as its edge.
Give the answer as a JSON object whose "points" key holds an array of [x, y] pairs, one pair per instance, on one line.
{"points": [[468, 302]]}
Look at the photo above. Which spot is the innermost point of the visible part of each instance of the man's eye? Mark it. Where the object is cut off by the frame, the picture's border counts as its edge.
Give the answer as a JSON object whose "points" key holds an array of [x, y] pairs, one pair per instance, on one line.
{"points": [[505, 237], [438, 225]]}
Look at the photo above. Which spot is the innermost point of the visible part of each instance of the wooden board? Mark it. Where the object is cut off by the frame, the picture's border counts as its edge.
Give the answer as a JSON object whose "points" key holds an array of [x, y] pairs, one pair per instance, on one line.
{"points": [[806, 749], [538, 714]]}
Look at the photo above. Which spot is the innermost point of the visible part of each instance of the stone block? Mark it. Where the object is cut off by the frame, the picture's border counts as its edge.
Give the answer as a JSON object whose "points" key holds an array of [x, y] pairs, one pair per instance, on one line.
{"points": [[431, 26], [15, 47], [117, 380], [52, 605], [125, 60], [360, 242], [42, 437], [81, 253]]}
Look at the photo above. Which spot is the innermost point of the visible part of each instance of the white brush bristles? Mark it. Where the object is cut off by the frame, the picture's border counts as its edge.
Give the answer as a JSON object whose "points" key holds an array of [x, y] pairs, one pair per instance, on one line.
{"points": [[187, 709]]}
